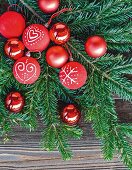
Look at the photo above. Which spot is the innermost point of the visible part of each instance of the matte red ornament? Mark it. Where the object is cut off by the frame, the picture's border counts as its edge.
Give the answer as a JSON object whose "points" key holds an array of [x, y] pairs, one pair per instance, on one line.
{"points": [[70, 115], [96, 46], [12, 24], [26, 70], [14, 48], [14, 102], [59, 33], [73, 75], [36, 38], [48, 6], [56, 56]]}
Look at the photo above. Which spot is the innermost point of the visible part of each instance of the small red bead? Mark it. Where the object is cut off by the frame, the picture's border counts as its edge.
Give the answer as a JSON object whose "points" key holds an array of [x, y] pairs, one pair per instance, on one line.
{"points": [[56, 56], [48, 6], [59, 33], [96, 46], [70, 115], [14, 48], [14, 102]]}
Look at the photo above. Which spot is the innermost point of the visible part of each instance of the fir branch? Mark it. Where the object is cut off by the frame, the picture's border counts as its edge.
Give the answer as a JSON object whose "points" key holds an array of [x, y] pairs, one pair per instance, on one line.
{"points": [[54, 137], [62, 92], [48, 140], [5, 126], [122, 66], [114, 11], [18, 118], [116, 86], [110, 19], [101, 106], [7, 120], [108, 146], [74, 132], [55, 134], [32, 10], [126, 129], [101, 111], [48, 107], [118, 38], [100, 15], [124, 148], [126, 69], [120, 86], [48, 110], [31, 108], [63, 147]]}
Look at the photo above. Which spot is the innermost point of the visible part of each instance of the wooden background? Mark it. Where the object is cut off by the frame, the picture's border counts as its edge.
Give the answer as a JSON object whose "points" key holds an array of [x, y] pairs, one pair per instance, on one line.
{"points": [[24, 152]]}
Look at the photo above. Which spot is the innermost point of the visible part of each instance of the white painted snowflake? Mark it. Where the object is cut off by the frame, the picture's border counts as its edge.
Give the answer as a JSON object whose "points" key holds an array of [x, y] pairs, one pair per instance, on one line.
{"points": [[69, 75]]}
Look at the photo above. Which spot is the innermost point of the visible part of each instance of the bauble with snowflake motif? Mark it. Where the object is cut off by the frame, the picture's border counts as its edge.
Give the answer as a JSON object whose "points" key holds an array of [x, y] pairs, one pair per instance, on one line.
{"points": [[73, 75]]}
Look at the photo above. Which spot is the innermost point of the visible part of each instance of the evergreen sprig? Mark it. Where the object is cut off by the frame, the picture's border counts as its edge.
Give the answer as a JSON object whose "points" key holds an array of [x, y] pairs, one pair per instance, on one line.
{"points": [[106, 75]]}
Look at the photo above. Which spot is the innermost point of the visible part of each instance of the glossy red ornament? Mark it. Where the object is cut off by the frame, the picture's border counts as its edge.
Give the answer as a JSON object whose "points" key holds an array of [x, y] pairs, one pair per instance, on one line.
{"points": [[96, 46], [73, 75], [59, 33], [36, 37], [14, 48], [48, 6], [14, 102], [26, 70], [56, 56], [70, 115], [12, 24]]}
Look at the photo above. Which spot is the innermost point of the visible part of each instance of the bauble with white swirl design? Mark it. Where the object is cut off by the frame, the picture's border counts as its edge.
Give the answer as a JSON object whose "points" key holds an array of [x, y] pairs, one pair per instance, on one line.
{"points": [[26, 70]]}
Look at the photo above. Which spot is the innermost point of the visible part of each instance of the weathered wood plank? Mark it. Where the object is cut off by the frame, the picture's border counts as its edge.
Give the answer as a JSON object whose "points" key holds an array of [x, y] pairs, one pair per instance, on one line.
{"points": [[124, 110], [23, 152]]}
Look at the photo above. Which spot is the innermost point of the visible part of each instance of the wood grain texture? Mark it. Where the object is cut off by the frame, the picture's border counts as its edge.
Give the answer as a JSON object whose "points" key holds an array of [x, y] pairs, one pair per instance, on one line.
{"points": [[23, 152]]}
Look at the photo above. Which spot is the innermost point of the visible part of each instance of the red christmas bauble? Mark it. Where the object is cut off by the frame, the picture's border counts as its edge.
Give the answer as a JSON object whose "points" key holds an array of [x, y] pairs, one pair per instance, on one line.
{"points": [[59, 33], [36, 38], [96, 46], [56, 56], [73, 75], [14, 102], [26, 70], [14, 48], [12, 24], [48, 6], [70, 115]]}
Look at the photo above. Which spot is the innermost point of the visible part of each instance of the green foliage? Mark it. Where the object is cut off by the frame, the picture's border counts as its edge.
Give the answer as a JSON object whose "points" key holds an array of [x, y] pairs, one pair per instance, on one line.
{"points": [[106, 75], [109, 146], [119, 37], [56, 136], [124, 148], [98, 102], [126, 129]]}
